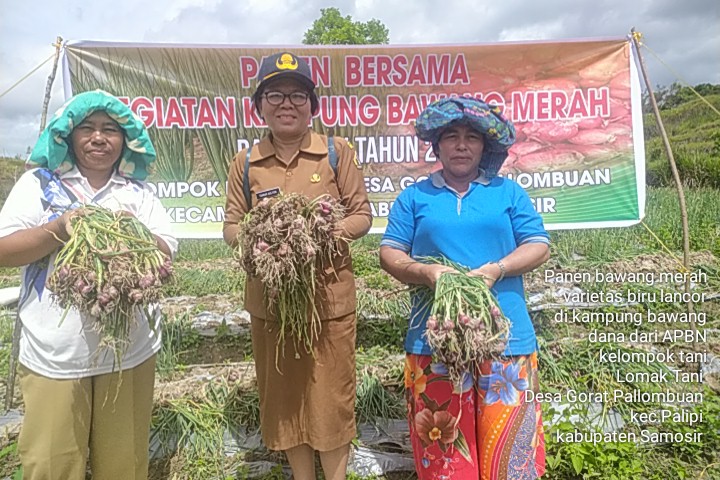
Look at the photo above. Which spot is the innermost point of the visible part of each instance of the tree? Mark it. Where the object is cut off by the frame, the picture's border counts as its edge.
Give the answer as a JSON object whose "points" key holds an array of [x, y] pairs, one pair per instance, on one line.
{"points": [[334, 29]]}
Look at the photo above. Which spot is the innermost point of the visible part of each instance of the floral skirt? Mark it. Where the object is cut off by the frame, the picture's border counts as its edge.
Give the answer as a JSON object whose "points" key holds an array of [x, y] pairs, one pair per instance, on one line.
{"points": [[481, 429]]}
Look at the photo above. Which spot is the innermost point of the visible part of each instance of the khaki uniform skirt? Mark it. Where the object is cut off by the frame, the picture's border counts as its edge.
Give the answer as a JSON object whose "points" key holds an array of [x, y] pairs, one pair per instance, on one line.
{"points": [[313, 400]]}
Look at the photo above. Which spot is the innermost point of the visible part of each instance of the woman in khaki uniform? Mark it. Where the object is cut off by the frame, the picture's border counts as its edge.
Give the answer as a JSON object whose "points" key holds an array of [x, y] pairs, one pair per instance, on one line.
{"points": [[310, 406]]}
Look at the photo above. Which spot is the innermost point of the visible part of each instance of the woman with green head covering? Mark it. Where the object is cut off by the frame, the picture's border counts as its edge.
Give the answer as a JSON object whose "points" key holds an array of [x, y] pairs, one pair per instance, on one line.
{"points": [[94, 151]]}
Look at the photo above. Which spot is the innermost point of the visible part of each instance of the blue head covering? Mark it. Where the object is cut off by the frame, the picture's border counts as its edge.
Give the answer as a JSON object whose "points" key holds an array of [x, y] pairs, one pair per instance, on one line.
{"points": [[498, 132], [52, 150]]}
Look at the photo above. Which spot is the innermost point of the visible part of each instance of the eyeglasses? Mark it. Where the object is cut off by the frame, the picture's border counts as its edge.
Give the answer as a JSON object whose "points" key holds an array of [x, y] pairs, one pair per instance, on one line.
{"points": [[296, 98]]}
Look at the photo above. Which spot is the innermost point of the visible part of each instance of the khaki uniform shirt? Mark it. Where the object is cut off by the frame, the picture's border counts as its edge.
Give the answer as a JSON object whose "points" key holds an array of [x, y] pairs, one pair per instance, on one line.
{"points": [[309, 172]]}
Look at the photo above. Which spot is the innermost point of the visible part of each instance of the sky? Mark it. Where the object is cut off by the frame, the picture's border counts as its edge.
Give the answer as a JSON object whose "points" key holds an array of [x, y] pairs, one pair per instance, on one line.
{"points": [[681, 39]]}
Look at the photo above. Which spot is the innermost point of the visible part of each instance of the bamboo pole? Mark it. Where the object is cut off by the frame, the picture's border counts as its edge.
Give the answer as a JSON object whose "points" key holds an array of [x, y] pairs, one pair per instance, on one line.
{"points": [[50, 81], [676, 176]]}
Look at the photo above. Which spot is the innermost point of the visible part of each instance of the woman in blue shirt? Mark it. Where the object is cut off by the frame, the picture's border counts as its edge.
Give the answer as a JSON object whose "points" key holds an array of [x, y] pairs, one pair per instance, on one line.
{"points": [[465, 212]]}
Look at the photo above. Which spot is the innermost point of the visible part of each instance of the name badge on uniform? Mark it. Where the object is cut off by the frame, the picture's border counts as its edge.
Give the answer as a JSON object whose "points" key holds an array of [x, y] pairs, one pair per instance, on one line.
{"points": [[272, 192]]}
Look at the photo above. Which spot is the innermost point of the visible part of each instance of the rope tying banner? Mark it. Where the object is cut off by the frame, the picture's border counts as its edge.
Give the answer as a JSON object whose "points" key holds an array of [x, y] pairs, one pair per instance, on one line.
{"points": [[27, 75]]}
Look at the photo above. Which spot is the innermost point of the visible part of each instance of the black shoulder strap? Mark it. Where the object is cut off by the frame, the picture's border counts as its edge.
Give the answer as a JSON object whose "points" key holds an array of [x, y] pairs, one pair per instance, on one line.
{"points": [[246, 179], [332, 154]]}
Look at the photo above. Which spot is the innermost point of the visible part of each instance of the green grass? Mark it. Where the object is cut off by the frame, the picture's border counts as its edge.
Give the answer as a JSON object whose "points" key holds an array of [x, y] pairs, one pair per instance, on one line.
{"points": [[202, 250], [568, 247], [691, 120], [11, 168], [200, 281], [9, 277], [567, 360], [10, 171], [387, 363], [178, 337], [196, 426], [10, 468], [597, 246], [7, 322], [591, 245], [694, 133], [375, 404], [625, 460], [365, 254], [381, 322]]}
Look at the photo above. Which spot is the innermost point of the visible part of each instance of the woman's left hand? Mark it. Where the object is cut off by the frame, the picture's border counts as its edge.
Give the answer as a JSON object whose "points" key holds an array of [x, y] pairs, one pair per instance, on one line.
{"points": [[523, 259], [490, 272]]}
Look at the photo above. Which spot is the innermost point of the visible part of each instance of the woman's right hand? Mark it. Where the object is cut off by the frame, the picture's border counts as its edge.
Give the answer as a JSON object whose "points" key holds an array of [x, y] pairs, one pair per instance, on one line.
{"points": [[64, 224], [433, 272], [31, 244]]}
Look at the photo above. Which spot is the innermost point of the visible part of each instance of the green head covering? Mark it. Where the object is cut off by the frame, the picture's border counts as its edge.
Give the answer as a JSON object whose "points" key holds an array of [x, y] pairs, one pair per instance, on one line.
{"points": [[52, 150]]}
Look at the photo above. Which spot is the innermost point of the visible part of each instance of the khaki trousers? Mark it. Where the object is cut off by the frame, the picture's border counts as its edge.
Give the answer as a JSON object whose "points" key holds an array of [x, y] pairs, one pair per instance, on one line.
{"points": [[66, 418]]}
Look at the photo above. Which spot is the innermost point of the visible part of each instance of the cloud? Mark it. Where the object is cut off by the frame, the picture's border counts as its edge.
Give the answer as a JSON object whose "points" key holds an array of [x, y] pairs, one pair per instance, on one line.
{"points": [[684, 35]]}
